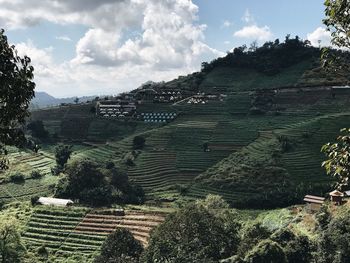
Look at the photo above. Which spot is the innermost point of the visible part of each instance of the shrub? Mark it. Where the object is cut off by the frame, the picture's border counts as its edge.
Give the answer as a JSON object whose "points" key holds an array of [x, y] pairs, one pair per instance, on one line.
{"points": [[35, 174], [138, 142], [34, 200], [42, 251], [266, 251], [129, 162], [17, 178]]}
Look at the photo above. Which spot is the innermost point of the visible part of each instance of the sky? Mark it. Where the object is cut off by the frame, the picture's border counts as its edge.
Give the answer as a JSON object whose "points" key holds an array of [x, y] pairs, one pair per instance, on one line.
{"points": [[98, 47]]}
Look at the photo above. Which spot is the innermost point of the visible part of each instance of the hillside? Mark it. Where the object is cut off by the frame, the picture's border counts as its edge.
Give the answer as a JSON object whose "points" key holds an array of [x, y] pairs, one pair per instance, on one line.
{"points": [[263, 136]]}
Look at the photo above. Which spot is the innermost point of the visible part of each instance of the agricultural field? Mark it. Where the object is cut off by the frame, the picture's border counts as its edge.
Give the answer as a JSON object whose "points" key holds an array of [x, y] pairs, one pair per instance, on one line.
{"points": [[80, 232]]}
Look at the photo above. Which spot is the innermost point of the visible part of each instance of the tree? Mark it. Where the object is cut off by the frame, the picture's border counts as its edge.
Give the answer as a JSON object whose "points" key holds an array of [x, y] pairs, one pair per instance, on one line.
{"points": [[76, 100], [338, 164], [338, 21], [138, 142], [62, 154], [192, 234], [120, 247], [97, 186], [38, 129], [16, 91], [297, 248], [266, 251], [334, 241], [10, 242]]}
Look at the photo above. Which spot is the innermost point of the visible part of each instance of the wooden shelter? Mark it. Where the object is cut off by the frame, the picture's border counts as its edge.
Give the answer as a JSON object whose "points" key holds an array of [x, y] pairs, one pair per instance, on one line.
{"points": [[336, 197], [313, 203]]}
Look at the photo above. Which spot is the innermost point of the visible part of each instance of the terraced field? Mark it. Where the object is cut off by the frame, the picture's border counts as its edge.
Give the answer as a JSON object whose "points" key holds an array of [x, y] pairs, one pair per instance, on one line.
{"points": [[54, 228], [79, 231], [25, 163], [140, 224]]}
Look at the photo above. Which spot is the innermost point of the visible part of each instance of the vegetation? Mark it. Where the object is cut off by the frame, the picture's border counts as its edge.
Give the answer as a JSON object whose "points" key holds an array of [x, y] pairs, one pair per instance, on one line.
{"points": [[11, 248], [38, 129], [62, 154], [91, 184], [17, 89], [338, 155], [121, 247], [138, 142]]}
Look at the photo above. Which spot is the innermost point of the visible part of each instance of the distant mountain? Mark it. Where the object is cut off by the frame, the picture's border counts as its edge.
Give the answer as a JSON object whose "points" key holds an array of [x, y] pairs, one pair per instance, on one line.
{"points": [[43, 99]]}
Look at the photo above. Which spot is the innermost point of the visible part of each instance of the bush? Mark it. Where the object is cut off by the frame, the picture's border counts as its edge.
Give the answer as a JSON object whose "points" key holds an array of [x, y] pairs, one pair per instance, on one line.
{"points": [[138, 142], [42, 251], [266, 251], [34, 200], [35, 174], [17, 178]]}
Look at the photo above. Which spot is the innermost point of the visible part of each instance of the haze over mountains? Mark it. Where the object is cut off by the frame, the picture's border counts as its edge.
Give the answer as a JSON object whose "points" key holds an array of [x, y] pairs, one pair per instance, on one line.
{"points": [[43, 99]]}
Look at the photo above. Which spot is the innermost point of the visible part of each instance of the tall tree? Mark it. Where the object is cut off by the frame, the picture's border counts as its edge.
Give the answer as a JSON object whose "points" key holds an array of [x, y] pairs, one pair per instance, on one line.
{"points": [[62, 154], [16, 91]]}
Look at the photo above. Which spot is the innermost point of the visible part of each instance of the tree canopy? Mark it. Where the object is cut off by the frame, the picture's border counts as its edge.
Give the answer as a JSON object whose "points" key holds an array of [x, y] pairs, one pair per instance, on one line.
{"points": [[16, 91], [120, 247]]}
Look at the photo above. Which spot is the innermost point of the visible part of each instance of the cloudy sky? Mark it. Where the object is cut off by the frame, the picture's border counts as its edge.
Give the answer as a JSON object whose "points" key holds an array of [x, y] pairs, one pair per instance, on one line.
{"points": [[88, 47]]}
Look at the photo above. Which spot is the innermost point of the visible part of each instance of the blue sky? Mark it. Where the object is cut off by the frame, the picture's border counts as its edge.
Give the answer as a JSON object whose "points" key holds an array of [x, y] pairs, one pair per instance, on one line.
{"points": [[88, 47]]}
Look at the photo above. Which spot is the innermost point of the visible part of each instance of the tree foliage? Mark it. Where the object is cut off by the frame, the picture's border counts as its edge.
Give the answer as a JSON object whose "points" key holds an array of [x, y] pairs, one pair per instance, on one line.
{"points": [[338, 164], [266, 251], [338, 21], [16, 91], [38, 129], [193, 234], [138, 142], [268, 59], [62, 154], [11, 248], [95, 185], [120, 247]]}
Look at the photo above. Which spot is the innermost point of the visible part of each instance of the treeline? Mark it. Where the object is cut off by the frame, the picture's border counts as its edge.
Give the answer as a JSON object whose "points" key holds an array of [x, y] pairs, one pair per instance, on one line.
{"points": [[269, 59]]}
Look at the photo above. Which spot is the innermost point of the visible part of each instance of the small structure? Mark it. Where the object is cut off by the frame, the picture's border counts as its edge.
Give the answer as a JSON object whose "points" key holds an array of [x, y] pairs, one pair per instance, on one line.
{"points": [[54, 201], [336, 197], [313, 203]]}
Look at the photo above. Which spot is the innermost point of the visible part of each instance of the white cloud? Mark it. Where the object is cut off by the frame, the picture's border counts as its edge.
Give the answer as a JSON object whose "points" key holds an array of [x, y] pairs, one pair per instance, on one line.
{"points": [[64, 38], [226, 23], [319, 37], [169, 42], [227, 42], [248, 17], [254, 32]]}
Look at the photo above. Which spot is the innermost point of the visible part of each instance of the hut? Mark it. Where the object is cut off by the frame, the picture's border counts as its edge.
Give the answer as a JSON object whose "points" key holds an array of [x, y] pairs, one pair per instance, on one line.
{"points": [[54, 201], [336, 197], [313, 203]]}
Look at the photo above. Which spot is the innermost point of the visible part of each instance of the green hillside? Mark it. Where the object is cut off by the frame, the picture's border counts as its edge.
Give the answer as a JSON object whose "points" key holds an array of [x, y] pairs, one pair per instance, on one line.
{"points": [[263, 137]]}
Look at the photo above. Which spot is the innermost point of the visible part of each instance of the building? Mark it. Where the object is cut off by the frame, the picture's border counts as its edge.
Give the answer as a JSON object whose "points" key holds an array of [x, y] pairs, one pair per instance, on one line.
{"points": [[336, 197], [313, 203], [54, 201]]}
